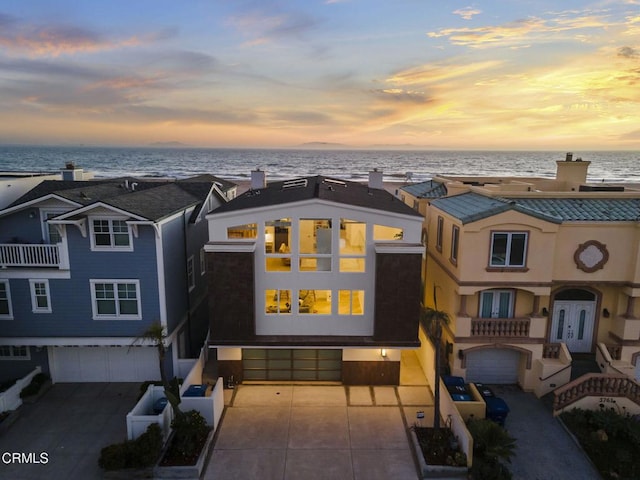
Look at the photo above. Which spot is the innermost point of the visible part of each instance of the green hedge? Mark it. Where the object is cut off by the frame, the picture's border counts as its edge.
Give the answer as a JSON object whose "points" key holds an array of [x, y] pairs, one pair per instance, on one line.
{"points": [[34, 387], [139, 453]]}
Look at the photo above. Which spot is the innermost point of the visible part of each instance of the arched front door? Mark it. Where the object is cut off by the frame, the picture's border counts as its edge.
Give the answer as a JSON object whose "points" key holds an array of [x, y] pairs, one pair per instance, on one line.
{"points": [[573, 319]]}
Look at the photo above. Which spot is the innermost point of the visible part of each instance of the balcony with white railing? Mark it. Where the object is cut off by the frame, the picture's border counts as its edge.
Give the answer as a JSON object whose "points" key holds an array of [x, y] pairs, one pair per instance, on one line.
{"points": [[32, 256]]}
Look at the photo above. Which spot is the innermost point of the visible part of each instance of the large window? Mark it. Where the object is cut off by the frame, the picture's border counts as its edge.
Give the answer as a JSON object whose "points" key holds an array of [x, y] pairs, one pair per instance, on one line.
{"points": [[277, 301], [5, 301], [115, 299], [249, 230], [314, 301], [353, 245], [315, 245], [508, 249], [277, 245], [12, 352], [350, 302], [383, 233], [40, 298], [107, 234]]}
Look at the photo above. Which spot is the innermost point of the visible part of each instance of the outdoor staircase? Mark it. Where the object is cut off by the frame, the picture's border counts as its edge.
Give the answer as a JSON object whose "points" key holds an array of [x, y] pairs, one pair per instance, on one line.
{"points": [[583, 363], [595, 385]]}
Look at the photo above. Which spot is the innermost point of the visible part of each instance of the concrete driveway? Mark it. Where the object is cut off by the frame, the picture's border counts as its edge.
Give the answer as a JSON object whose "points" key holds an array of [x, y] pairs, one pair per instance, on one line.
{"points": [[545, 451], [318, 432], [71, 423]]}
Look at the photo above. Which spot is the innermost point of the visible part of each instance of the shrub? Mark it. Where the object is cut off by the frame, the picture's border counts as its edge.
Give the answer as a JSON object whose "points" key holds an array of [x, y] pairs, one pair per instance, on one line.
{"points": [[611, 438], [139, 453], [492, 445], [34, 387], [190, 435]]}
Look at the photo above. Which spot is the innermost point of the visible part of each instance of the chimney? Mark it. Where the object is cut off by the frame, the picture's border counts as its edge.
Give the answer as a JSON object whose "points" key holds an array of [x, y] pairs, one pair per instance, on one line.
{"points": [[258, 179], [70, 172], [572, 172], [375, 179]]}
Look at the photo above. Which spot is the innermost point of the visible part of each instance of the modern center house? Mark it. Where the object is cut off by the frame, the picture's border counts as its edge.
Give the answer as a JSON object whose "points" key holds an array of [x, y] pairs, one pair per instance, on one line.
{"points": [[314, 279]]}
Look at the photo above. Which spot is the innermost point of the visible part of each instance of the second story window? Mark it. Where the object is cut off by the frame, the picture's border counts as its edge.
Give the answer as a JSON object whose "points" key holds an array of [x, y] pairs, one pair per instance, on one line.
{"points": [[5, 301], [508, 249], [439, 233], [110, 234], [115, 299], [40, 298], [455, 240]]}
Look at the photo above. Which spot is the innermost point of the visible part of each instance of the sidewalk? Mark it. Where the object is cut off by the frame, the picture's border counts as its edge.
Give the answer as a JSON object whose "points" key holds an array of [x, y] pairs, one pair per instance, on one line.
{"points": [[318, 432]]}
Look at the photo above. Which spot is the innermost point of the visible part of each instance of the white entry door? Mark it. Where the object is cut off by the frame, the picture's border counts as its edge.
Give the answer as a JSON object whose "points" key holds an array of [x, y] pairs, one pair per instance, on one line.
{"points": [[573, 324]]}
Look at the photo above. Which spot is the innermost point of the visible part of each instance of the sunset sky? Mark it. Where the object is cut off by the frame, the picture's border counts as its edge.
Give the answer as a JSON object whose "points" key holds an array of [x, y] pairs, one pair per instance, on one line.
{"points": [[464, 75]]}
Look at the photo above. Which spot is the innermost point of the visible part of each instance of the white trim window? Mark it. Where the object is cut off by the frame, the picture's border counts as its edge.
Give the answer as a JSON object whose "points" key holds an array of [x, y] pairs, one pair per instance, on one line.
{"points": [[508, 249], [6, 312], [191, 273], [110, 234], [40, 296], [496, 304], [116, 299], [12, 352]]}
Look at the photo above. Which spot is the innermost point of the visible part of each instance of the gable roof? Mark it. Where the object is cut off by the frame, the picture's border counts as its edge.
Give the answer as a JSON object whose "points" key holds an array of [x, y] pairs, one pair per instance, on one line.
{"points": [[428, 189], [322, 188], [471, 207], [150, 199]]}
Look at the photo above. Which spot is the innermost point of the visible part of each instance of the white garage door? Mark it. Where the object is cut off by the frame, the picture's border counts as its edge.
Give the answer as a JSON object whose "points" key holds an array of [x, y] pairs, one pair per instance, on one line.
{"points": [[498, 366], [103, 364]]}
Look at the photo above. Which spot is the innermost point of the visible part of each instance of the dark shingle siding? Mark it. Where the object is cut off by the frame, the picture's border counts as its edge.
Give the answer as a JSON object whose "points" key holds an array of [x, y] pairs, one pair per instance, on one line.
{"points": [[322, 188]]}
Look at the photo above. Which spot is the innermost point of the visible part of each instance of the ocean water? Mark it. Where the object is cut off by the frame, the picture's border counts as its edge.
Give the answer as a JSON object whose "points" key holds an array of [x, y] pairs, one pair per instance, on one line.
{"points": [[236, 164]]}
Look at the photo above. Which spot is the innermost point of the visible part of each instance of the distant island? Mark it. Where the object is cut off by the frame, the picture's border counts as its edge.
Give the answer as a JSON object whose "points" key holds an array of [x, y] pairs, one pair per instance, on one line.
{"points": [[343, 146], [168, 144]]}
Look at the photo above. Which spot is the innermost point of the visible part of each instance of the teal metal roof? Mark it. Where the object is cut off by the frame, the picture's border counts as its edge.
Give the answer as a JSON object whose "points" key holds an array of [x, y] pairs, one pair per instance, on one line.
{"points": [[586, 209], [471, 207], [428, 189]]}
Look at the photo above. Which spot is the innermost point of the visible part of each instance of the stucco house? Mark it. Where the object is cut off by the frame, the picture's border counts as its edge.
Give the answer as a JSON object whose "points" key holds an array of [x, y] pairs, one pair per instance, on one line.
{"points": [[533, 271], [314, 279], [87, 265]]}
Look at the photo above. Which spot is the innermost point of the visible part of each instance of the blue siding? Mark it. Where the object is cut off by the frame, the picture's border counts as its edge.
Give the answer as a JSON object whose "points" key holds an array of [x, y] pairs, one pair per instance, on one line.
{"points": [[14, 369], [71, 298], [19, 228]]}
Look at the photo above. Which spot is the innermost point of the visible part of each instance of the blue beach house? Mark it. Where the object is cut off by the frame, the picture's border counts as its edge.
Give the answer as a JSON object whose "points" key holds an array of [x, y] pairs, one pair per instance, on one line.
{"points": [[87, 266]]}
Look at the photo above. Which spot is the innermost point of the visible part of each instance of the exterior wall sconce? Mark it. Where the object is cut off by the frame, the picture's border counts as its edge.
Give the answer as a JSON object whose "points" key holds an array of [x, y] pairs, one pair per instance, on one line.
{"points": [[32, 214], [605, 313], [545, 311], [460, 354], [383, 352]]}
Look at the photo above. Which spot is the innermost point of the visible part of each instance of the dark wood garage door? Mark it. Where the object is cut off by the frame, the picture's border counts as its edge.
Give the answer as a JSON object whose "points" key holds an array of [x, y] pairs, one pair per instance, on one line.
{"points": [[292, 364]]}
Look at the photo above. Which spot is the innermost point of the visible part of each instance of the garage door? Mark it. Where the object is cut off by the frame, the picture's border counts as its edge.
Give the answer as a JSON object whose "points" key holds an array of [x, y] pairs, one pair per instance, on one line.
{"points": [[497, 366], [291, 364], [104, 364]]}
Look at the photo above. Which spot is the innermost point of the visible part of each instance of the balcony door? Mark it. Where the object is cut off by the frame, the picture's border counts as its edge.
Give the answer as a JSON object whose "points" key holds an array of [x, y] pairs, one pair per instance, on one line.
{"points": [[496, 304]]}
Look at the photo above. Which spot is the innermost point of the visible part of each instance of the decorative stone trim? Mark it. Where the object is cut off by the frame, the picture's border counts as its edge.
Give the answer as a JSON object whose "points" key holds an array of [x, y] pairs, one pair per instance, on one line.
{"points": [[591, 256]]}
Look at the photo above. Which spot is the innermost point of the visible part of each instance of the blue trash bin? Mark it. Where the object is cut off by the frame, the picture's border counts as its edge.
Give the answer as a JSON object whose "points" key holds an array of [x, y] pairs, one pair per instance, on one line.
{"points": [[497, 410], [195, 391]]}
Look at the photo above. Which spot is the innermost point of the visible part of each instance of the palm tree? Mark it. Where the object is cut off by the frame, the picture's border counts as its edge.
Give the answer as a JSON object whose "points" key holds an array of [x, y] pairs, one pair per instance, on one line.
{"points": [[433, 319], [155, 334]]}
